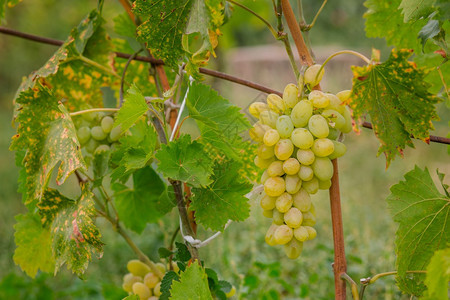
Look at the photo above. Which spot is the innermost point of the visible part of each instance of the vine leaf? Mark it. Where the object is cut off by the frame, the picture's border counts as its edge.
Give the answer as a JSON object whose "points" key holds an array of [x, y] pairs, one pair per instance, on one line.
{"points": [[134, 151], [422, 213], [395, 96], [47, 133], [384, 20], [143, 203], [193, 284], [219, 121], [34, 246], [413, 10], [438, 276], [72, 79], [170, 22], [134, 106], [185, 161], [223, 200], [75, 238]]}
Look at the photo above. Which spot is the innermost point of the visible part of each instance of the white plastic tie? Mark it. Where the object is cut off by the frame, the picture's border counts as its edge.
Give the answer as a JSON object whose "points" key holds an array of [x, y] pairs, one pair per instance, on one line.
{"points": [[196, 243], [180, 112]]}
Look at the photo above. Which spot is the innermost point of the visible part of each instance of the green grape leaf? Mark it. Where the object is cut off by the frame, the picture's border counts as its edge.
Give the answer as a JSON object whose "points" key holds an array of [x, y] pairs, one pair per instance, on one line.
{"points": [[132, 297], [135, 150], [75, 238], [174, 29], [384, 20], [193, 284], [134, 106], [429, 31], [185, 161], [182, 254], [124, 26], [422, 213], [413, 10], [219, 121], [34, 245], [166, 284], [80, 67], [395, 96], [47, 133], [443, 7], [438, 276], [164, 27], [223, 200], [164, 252], [140, 204]]}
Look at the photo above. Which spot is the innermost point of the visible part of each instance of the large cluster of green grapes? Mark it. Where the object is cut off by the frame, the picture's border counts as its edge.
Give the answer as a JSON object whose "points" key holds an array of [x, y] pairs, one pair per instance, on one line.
{"points": [[96, 133], [142, 282], [298, 137]]}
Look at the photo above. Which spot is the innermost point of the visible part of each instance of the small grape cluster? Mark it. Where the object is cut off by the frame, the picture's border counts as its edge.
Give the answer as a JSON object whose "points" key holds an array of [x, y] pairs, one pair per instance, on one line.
{"points": [[142, 282], [96, 133], [298, 139]]}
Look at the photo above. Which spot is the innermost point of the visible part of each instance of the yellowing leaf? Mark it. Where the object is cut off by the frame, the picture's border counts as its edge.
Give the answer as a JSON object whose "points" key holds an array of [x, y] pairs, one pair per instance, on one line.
{"points": [[47, 133], [395, 96]]}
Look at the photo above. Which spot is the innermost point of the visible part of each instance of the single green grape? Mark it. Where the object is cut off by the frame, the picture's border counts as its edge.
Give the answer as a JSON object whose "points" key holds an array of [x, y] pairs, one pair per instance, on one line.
{"points": [[324, 184], [269, 237], [98, 134], [322, 147], [293, 217], [263, 163], [115, 133], [339, 150], [306, 173], [284, 202], [290, 95], [323, 168], [293, 249], [278, 217], [334, 117], [301, 113], [293, 183], [256, 108], [276, 103], [268, 117], [302, 200], [271, 137], [141, 290], [101, 149], [268, 213], [284, 149], [91, 145], [265, 152], [305, 157], [157, 290], [312, 233], [318, 126], [275, 169], [301, 234], [107, 124], [138, 268], [311, 186], [283, 234], [84, 134], [274, 186], [302, 138], [284, 126], [318, 99], [151, 280], [267, 202], [348, 121], [291, 166], [312, 75], [309, 219]]}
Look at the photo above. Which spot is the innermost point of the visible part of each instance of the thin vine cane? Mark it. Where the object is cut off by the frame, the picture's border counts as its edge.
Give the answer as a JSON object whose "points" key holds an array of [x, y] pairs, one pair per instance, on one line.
{"points": [[340, 264]]}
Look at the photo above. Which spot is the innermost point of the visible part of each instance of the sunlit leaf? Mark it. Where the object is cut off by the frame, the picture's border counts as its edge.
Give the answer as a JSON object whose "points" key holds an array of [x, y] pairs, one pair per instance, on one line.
{"points": [[193, 284], [422, 213]]}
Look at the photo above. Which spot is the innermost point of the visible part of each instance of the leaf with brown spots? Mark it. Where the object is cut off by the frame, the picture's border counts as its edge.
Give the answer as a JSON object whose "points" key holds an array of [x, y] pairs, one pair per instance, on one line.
{"points": [[396, 97], [75, 238], [48, 135]]}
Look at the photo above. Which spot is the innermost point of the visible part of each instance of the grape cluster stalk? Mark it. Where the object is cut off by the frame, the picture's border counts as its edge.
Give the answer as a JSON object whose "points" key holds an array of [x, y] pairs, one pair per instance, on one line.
{"points": [[298, 135]]}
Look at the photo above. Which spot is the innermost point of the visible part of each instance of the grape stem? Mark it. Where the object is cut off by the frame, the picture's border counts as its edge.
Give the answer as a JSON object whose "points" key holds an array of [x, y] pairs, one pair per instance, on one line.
{"points": [[86, 111], [124, 72], [353, 285], [369, 280], [308, 27]]}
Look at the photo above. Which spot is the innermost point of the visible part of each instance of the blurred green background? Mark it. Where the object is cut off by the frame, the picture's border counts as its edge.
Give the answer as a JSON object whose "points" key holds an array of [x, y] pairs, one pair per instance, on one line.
{"points": [[240, 255]]}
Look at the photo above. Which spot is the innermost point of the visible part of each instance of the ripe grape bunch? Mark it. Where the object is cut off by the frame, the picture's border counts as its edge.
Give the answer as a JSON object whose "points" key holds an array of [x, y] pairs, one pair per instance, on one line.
{"points": [[298, 135], [96, 133], [142, 282]]}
